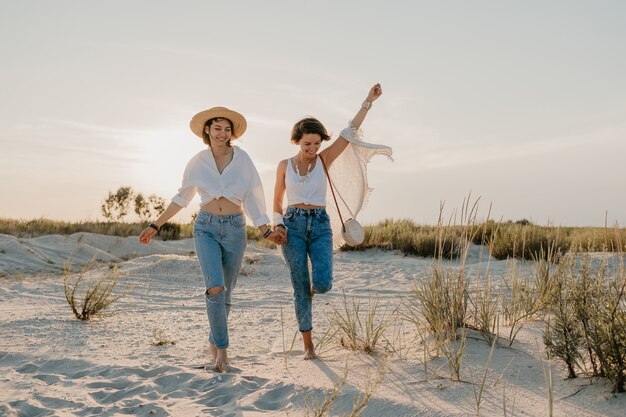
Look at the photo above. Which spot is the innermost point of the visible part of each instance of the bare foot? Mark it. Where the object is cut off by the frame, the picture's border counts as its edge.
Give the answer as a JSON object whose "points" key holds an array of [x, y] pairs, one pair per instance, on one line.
{"points": [[309, 347], [310, 354], [213, 350], [221, 361]]}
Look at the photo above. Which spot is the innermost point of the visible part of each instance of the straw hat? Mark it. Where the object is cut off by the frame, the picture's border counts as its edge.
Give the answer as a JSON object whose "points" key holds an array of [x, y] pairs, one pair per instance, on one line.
{"points": [[198, 121]]}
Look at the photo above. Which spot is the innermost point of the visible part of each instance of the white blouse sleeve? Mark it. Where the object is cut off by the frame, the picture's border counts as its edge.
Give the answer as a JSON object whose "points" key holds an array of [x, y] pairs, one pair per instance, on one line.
{"points": [[254, 198], [188, 190]]}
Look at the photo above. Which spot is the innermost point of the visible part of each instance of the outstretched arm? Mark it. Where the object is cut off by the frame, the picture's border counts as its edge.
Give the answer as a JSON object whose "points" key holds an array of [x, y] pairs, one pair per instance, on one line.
{"points": [[333, 151]]}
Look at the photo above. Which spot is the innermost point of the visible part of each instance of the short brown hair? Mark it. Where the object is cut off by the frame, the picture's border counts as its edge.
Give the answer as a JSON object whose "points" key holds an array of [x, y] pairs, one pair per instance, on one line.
{"points": [[308, 125], [205, 136]]}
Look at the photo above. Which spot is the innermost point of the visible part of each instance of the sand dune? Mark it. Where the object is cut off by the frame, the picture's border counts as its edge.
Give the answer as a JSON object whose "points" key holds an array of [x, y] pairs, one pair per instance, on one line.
{"points": [[53, 364], [49, 253]]}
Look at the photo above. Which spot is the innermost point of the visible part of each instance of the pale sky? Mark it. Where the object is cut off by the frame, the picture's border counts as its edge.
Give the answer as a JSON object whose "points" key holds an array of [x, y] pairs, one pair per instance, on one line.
{"points": [[523, 103]]}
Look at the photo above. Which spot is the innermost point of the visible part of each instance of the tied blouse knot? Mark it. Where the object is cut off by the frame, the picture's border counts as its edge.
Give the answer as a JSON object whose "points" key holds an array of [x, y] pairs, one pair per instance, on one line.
{"points": [[239, 183]]}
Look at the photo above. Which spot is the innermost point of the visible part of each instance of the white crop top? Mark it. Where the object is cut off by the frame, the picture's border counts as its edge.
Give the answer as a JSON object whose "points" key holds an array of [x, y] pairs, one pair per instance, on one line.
{"points": [[239, 183], [309, 189]]}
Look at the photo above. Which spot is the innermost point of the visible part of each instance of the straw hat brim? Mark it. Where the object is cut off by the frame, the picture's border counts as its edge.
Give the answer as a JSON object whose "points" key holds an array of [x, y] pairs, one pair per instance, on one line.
{"points": [[199, 120]]}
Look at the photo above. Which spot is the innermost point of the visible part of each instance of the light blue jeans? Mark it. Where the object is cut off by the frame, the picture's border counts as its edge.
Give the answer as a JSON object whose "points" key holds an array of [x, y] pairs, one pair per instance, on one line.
{"points": [[220, 244], [309, 237]]}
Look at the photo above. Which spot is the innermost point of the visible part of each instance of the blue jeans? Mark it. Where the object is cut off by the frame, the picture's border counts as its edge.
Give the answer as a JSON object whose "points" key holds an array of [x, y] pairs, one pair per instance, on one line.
{"points": [[220, 244], [309, 236]]}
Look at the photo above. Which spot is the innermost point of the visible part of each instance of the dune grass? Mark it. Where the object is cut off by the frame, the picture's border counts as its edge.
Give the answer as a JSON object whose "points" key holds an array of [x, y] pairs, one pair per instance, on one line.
{"points": [[361, 329], [41, 227], [505, 239]]}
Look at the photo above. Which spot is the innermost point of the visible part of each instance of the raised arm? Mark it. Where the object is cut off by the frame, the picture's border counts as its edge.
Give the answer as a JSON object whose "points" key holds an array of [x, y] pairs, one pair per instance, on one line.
{"points": [[340, 144]]}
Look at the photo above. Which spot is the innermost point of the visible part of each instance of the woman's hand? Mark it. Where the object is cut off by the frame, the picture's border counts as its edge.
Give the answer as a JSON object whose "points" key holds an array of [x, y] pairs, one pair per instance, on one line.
{"points": [[375, 92], [278, 235], [282, 234], [336, 148], [146, 235]]}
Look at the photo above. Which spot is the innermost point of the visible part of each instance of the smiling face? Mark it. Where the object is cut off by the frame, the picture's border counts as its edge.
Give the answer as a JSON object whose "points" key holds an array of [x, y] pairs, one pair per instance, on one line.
{"points": [[310, 144], [308, 134], [218, 132]]}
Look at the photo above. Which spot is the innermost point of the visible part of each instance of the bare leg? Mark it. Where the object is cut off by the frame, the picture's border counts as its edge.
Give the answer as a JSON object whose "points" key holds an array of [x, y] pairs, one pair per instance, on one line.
{"points": [[309, 348], [213, 350]]}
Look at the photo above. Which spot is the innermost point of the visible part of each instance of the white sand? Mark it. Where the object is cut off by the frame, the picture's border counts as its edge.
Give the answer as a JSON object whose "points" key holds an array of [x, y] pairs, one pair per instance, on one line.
{"points": [[53, 364]]}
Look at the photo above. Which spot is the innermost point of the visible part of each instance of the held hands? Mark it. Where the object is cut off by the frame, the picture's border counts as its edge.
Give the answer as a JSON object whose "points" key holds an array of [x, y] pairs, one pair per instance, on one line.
{"points": [[278, 236]]}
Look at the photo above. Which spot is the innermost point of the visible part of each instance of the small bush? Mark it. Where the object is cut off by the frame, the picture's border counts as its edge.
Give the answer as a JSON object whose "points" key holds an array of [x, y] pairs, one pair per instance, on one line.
{"points": [[587, 322], [96, 298], [159, 338], [564, 337]]}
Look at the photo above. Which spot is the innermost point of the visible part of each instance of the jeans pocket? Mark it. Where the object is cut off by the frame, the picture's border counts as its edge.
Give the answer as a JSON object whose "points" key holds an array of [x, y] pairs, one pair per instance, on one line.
{"points": [[238, 221], [201, 219], [287, 217]]}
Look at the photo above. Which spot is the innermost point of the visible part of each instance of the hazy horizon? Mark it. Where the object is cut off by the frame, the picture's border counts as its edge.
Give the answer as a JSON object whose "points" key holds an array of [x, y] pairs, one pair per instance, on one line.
{"points": [[522, 104]]}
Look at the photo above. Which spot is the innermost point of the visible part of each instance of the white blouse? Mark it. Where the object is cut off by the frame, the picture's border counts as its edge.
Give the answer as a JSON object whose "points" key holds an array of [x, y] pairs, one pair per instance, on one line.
{"points": [[239, 182]]}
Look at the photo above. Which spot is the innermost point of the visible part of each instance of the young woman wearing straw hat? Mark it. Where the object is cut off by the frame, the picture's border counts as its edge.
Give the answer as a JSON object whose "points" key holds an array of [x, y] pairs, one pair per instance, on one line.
{"points": [[229, 186], [306, 221]]}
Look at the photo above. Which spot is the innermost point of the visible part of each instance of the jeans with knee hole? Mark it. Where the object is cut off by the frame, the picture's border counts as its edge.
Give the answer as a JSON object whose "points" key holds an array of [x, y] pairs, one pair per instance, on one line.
{"points": [[220, 244], [309, 237]]}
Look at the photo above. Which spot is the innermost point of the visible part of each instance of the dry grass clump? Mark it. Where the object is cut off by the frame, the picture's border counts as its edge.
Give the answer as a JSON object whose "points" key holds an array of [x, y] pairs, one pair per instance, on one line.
{"points": [[357, 329], [96, 297], [586, 324], [440, 303], [159, 338]]}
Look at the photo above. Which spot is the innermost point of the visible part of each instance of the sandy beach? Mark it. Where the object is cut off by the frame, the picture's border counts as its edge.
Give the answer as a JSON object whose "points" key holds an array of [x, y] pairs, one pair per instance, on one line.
{"points": [[52, 364]]}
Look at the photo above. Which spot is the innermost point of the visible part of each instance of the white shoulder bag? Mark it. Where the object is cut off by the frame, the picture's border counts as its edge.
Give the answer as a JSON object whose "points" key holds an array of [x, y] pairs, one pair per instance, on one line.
{"points": [[351, 229]]}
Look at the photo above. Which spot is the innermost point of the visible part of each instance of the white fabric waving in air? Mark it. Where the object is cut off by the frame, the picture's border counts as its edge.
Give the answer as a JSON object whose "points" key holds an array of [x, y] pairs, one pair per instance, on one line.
{"points": [[348, 174]]}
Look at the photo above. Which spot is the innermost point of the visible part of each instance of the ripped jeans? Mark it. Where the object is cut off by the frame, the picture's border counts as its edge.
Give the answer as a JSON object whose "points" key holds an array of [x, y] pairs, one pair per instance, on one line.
{"points": [[220, 244], [309, 237]]}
